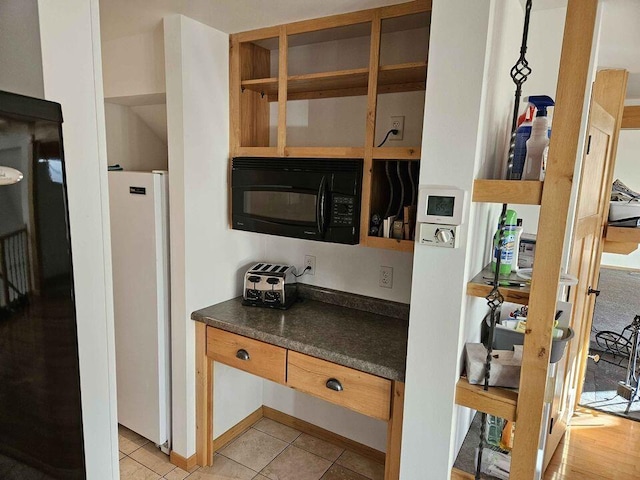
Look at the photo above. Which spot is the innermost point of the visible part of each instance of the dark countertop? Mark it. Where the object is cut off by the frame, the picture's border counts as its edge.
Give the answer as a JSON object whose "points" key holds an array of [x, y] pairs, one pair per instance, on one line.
{"points": [[368, 342]]}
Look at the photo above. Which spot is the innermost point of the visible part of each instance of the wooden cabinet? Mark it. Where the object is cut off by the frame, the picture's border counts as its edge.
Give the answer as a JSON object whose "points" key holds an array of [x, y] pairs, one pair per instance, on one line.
{"points": [[262, 359], [327, 88], [353, 389], [343, 386]]}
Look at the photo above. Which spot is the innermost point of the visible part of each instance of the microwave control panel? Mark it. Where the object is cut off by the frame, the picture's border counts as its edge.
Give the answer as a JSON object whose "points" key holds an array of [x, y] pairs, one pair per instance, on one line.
{"points": [[342, 211]]}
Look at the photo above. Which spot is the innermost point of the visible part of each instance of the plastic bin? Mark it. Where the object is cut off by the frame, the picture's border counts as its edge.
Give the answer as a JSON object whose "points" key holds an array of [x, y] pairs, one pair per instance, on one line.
{"points": [[506, 338]]}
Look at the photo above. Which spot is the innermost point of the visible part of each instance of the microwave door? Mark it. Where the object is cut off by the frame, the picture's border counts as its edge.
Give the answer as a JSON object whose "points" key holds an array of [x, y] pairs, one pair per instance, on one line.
{"points": [[281, 210]]}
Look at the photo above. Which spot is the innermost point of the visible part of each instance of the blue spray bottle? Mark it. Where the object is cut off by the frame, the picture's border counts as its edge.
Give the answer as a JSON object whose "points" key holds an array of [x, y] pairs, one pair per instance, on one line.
{"points": [[520, 149], [538, 143]]}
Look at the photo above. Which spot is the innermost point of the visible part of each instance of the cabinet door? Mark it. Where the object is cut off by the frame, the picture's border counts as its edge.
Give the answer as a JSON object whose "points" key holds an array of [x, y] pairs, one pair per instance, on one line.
{"points": [[356, 390]]}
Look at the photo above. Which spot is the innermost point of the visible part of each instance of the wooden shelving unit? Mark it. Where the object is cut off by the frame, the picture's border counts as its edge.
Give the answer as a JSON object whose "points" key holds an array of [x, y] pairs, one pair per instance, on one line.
{"points": [[478, 287], [501, 402], [520, 192], [255, 81]]}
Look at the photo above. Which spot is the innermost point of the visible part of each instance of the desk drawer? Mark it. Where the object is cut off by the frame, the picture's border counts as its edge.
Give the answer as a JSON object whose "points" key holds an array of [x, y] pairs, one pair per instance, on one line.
{"points": [[362, 392], [262, 359]]}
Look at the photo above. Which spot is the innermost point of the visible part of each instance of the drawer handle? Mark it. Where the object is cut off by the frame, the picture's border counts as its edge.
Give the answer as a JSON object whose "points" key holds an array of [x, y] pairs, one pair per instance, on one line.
{"points": [[333, 384], [242, 354]]}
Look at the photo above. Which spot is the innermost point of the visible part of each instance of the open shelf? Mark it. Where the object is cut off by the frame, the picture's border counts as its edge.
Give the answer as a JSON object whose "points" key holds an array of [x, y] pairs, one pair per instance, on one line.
{"points": [[622, 234], [405, 77], [520, 192], [501, 402], [478, 287], [390, 244], [622, 240]]}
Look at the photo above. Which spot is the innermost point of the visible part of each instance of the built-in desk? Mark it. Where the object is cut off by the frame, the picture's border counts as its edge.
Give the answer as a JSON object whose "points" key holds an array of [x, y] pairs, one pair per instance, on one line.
{"points": [[346, 356]]}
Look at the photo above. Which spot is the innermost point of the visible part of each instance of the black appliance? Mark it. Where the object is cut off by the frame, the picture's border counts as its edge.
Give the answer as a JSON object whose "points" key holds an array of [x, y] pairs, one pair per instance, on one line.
{"points": [[41, 435], [310, 198]]}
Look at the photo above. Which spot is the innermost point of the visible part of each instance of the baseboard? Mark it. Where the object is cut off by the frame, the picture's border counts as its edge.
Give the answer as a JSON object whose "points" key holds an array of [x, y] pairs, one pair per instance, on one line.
{"points": [[319, 432], [236, 430], [185, 464]]}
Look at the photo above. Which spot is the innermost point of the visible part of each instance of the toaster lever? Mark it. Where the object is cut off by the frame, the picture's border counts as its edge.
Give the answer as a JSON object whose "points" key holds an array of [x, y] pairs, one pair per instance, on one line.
{"points": [[273, 280], [242, 354]]}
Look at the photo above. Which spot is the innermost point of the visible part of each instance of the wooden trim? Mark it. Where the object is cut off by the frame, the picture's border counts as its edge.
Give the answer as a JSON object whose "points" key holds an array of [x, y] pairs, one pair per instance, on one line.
{"points": [[497, 401], [185, 464], [620, 248], [408, 8], [283, 81], [572, 83], [396, 153], [370, 126], [257, 152], [520, 192], [258, 34], [389, 243], [631, 117], [234, 97], [394, 433], [204, 399], [319, 432], [324, 152], [237, 430]]}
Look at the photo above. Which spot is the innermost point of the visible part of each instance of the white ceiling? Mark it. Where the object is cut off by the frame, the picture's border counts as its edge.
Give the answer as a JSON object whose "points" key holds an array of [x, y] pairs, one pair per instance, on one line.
{"points": [[619, 47], [122, 18]]}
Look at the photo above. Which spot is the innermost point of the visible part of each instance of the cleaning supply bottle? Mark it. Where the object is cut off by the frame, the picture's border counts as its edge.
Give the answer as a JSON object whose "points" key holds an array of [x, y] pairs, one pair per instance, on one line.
{"points": [[516, 250], [538, 142], [520, 148], [506, 239]]}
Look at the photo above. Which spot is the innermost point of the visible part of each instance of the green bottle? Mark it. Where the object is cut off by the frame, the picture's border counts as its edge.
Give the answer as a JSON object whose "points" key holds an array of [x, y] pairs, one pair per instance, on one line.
{"points": [[508, 242]]}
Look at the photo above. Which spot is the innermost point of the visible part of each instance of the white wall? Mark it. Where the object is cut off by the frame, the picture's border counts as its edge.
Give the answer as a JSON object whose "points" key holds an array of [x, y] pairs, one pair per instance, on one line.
{"points": [[70, 33], [459, 34], [20, 54], [134, 65], [627, 169], [130, 141], [207, 258]]}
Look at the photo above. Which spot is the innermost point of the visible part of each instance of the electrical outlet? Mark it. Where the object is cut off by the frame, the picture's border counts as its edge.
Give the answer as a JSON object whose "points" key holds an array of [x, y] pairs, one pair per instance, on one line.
{"points": [[310, 261], [386, 277], [397, 123]]}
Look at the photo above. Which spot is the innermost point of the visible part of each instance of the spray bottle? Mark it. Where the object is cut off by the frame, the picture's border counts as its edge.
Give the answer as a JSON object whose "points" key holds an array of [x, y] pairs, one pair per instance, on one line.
{"points": [[505, 239], [538, 142], [520, 144]]}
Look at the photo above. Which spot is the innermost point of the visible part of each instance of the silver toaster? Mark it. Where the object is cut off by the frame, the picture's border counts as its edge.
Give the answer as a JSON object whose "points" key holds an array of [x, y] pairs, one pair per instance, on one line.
{"points": [[270, 285]]}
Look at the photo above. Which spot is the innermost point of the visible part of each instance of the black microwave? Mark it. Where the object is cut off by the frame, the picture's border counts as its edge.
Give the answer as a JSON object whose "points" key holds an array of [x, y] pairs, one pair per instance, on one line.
{"points": [[310, 198]]}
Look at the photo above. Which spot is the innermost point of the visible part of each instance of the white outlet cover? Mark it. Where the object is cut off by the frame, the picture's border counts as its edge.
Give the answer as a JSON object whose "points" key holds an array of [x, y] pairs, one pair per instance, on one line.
{"points": [[386, 277], [397, 121]]}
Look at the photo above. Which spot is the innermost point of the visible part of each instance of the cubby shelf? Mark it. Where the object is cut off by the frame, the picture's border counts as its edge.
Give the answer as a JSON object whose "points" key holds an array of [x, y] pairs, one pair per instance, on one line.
{"points": [[478, 287], [501, 402], [403, 77], [520, 192]]}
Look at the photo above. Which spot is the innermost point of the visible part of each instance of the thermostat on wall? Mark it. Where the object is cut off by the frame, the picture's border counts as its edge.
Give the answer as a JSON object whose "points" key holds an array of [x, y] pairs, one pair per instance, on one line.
{"points": [[440, 204]]}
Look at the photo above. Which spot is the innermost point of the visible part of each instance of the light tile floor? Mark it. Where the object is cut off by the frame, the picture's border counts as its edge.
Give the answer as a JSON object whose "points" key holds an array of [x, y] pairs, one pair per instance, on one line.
{"points": [[267, 450]]}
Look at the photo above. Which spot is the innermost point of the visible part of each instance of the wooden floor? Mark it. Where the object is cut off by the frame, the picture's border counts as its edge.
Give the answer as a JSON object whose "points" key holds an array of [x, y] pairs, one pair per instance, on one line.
{"points": [[597, 446]]}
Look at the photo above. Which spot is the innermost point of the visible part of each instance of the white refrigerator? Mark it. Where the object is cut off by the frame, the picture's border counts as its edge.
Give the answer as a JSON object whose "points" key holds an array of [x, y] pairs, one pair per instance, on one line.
{"points": [[140, 251]]}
